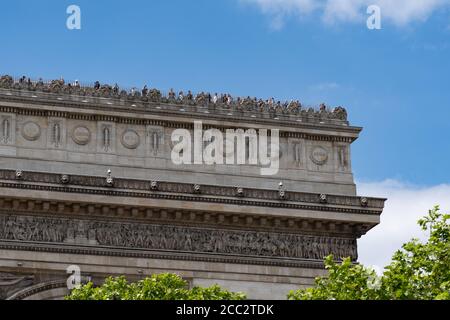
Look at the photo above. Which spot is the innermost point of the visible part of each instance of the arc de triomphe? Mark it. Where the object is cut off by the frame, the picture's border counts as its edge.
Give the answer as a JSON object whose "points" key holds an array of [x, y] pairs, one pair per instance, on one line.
{"points": [[224, 224]]}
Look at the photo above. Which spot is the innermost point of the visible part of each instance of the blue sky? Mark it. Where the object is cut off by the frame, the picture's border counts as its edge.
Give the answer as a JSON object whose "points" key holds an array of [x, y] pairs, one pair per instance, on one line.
{"points": [[394, 82]]}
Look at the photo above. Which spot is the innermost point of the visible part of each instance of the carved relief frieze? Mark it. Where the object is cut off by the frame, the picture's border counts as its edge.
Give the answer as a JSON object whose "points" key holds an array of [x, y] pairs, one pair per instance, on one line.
{"points": [[175, 238]]}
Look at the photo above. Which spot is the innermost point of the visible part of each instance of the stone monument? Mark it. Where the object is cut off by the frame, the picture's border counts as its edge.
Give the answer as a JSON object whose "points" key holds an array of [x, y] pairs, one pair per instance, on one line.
{"points": [[86, 179]]}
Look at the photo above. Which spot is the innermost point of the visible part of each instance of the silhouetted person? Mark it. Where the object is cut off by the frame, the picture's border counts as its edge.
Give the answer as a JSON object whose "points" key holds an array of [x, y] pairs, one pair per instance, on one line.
{"points": [[144, 91]]}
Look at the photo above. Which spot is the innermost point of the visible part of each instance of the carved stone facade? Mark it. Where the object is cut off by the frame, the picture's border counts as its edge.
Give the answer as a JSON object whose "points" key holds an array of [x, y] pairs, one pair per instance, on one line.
{"points": [[140, 147], [10, 283], [86, 179], [161, 237]]}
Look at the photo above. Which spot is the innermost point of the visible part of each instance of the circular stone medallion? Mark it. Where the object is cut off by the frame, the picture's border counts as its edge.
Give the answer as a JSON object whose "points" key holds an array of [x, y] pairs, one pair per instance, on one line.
{"points": [[319, 156], [31, 131], [130, 139], [81, 135]]}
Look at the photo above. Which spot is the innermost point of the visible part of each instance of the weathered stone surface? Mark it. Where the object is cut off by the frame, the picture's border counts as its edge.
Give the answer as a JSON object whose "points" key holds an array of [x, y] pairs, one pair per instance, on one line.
{"points": [[223, 224], [160, 237]]}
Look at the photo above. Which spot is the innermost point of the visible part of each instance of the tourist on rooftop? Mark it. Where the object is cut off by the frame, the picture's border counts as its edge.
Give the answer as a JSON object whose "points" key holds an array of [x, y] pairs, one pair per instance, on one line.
{"points": [[215, 98], [171, 94], [261, 104], [96, 85], [144, 91], [229, 100], [116, 88], [189, 95], [181, 96]]}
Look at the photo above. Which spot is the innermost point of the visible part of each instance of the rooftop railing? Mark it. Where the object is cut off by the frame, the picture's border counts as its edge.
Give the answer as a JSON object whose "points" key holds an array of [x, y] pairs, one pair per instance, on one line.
{"points": [[218, 103]]}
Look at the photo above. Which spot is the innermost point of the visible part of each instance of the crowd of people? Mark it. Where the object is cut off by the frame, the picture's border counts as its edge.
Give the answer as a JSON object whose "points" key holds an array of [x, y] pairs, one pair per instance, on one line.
{"points": [[228, 100], [202, 98], [206, 98]]}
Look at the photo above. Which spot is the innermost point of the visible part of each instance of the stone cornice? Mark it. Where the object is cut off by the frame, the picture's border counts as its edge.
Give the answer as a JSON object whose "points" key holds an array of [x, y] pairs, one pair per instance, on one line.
{"points": [[144, 188], [182, 193]]}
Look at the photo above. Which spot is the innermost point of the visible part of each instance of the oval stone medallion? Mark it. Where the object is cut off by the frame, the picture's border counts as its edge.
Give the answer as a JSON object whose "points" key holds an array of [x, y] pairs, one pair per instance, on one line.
{"points": [[130, 139], [31, 131], [319, 155], [81, 135]]}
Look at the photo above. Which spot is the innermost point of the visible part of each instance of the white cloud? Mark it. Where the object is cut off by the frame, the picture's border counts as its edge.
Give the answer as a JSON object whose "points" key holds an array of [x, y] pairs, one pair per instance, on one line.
{"points": [[325, 86], [300, 7], [406, 204], [280, 9], [346, 10], [399, 12], [404, 11]]}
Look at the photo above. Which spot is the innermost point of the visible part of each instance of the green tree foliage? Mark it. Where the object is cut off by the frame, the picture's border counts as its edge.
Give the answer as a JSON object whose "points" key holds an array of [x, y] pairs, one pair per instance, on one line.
{"points": [[418, 271], [157, 287], [422, 270], [345, 281]]}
